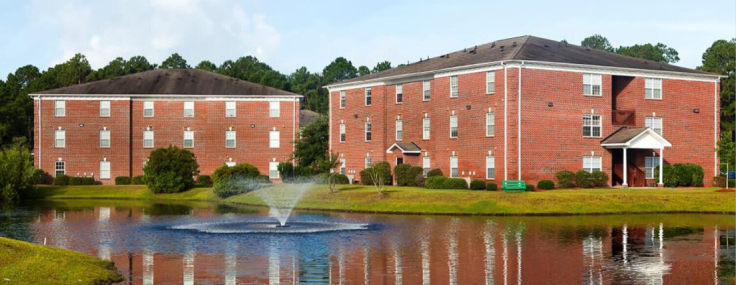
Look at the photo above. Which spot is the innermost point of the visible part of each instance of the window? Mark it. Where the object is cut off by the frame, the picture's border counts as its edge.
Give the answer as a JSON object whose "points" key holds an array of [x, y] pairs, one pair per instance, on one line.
{"points": [[230, 109], [655, 123], [188, 139], [60, 108], [147, 139], [273, 170], [342, 132], [490, 82], [490, 167], [342, 99], [426, 90], [104, 108], [368, 131], [59, 168], [650, 164], [399, 93], [274, 139], [274, 109], [104, 170], [453, 126], [230, 139], [592, 84], [342, 165], [189, 109], [425, 165], [591, 126], [652, 88], [60, 138], [453, 166], [148, 109], [104, 139], [592, 163], [368, 97], [425, 128], [399, 129], [367, 162], [453, 86], [490, 124]]}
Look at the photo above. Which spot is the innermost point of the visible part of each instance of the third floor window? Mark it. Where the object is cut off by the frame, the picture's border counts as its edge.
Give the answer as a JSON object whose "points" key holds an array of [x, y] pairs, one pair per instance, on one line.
{"points": [[426, 90], [652, 88], [60, 108], [453, 86], [189, 109], [592, 84], [230, 109], [399, 93], [104, 108], [148, 109], [368, 96]]}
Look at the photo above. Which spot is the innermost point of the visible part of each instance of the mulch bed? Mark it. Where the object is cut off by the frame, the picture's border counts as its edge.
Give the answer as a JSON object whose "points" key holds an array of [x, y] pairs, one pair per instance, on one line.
{"points": [[726, 190]]}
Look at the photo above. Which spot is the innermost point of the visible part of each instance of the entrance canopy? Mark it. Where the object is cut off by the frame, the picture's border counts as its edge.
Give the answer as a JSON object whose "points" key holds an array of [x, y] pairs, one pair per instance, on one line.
{"points": [[635, 137], [405, 147]]}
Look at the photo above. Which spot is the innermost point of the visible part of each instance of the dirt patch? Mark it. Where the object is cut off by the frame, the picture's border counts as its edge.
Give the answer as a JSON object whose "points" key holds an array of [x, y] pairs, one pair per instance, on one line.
{"points": [[726, 190]]}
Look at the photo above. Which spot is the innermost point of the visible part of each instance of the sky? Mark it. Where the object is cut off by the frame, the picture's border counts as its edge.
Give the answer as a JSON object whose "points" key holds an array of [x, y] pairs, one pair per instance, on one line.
{"points": [[291, 34]]}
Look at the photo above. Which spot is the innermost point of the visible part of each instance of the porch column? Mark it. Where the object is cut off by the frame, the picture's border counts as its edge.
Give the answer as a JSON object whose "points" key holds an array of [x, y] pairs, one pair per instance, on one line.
{"points": [[626, 169], [661, 166]]}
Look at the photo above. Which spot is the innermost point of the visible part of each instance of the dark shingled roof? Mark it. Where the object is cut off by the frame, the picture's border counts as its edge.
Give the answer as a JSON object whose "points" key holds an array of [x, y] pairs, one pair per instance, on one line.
{"points": [[307, 117], [170, 81], [407, 147], [623, 135], [526, 48]]}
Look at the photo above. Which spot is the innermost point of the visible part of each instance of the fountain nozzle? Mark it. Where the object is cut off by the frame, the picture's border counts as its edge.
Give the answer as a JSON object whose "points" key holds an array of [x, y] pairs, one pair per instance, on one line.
{"points": [[282, 226]]}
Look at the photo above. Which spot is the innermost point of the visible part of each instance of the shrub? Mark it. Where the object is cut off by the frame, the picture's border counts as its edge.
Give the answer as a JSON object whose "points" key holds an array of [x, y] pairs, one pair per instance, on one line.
{"points": [[61, 180], [75, 181], [529, 188], [302, 171], [340, 178], [286, 170], [16, 173], [138, 180], [42, 177], [234, 185], [669, 177], [697, 174], [88, 181], [583, 179], [454, 183], [491, 187], [401, 172], [240, 171], [264, 178], [565, 179], [170, 170], [434, 182], [435, 172], [122, 180], [81, 181], [420, 179], [204, 181], [546, 184], [599, 179], [682, 174], [384, 170], [477, 185]]}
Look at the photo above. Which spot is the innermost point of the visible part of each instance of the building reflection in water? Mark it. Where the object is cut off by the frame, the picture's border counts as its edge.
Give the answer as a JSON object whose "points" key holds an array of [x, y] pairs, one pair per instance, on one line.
{"points": [[490, 250], [452, 250], [274, 265], [592, 259], [231, 263], [105, 237], [425, 261], [397, 265], [189, 267], [366, 265], [148, 266]]}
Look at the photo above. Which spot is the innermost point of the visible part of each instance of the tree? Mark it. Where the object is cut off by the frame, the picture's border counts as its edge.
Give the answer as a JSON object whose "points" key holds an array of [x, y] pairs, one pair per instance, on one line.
{"points": [[338, 70], [330, 163], [381, 66], [175, 61], [659, 52], [16, 166], [311, 147], [727, 149], [170, 170], [139, 64], [363, 70], [74, 71], [206, 65], [721, 58], [597, 42]]}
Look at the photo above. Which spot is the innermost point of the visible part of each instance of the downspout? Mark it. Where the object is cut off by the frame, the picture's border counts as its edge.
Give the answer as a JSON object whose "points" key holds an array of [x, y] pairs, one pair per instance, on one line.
{"points": [[130, 137], [40, 134], [505, 122], [715, 126], [519, 122], [329, 123], [293, 126]]}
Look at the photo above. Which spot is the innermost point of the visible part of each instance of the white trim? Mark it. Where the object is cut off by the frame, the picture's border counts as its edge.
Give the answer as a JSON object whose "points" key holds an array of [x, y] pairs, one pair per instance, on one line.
{"points": [[662, 140], [396, 145], [144, 97], [358, 85]]}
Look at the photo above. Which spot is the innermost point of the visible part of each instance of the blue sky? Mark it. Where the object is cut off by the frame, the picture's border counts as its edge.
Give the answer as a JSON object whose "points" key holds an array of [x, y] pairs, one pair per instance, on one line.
{"points": [[291, 34]]}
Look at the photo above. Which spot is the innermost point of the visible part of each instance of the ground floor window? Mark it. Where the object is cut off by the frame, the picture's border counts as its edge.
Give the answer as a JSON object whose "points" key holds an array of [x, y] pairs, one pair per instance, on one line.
{"points": [[426, 165], [367, 162], [342, 165], [592, 163], [273, 170], [490, 167], [453, 166], [59, 168], [104, 170], [650, 165]]}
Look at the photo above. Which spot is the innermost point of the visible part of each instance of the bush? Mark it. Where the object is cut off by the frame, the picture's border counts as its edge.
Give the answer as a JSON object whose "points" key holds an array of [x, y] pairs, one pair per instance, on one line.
{"points": [[240, 171], [122, 180], [204, 181], [138, 180], [477, 185], [420, 179], [16, 173], [682, 174], [384, 171], [303, 171], [599, 179], [81, 181], [565, 179], [61, 180], [696, 173], [435, 172], [340, 178], [583, 179], [546, 184], [42, 177], [406, 175], [234, 185], [454, 183], [264, 178], [669, 177], [529, 188], [170, 170], [286, 170], [491, 187], [434, 182]]}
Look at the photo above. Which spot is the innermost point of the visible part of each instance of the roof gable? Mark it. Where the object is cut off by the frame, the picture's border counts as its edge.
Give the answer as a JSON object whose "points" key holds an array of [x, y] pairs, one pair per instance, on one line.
{"points": [[635, 137]]}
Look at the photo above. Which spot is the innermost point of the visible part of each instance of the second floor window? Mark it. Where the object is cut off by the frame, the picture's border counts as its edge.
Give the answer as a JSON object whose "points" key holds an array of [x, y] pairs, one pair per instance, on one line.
{"points": [[188, 139], [368, 131], [230, 139], [104, 108], [147, 139], [490, 82], [342, 132], [453, 126], [592, 163], [453, 166], [426, 90], [274, 139], [399, 93], [104, 139], [60, 108], [591, 126], [368, 96], [591, 84], [651, 163], [490, 167], [230, 109], [655, 123], [274, 109], [453, 86], [652, 88], [399, 129], [60, 138], [425, 128], [148, 109], [342, 99], [189, 109], [490, 124]]}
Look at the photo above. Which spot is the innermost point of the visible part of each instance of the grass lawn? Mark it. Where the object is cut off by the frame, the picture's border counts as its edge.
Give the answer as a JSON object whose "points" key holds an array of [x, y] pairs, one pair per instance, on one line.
{"points": [[27, 263], [127, 192]]}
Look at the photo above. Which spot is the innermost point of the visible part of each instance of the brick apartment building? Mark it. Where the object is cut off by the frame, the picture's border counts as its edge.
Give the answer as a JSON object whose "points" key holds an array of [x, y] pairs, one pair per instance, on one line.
{"points": [[524, 108], [105, 129]]}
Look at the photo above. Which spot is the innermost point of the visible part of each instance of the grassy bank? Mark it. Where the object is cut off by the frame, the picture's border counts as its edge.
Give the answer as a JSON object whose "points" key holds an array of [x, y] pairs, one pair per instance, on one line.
{"points": [[420, 200], [27, 263]]}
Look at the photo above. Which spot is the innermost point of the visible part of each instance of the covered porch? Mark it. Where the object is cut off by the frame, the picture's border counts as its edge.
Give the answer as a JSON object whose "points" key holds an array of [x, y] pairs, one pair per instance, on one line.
{"points": [[628, 146]]}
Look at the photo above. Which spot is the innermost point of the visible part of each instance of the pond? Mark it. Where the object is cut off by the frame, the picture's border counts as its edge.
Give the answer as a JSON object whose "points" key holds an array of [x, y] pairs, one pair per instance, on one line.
{"points": [[143, 241]]}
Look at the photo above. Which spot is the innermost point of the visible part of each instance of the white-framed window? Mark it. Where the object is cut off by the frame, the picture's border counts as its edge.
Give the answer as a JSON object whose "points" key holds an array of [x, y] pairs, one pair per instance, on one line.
{"points": [[367, 162], [274, 109], [104, 139], [651, 163], [104, 108], [368, 131], [59, 168], [591, 84], [490, 167], [60, 108], [426, 122], [426, 166], [490, 82], [342, 99], [426, 90], [230, 139], [147, 108], [342, 165], [655, 123], [188, 139], [368, 96], [60, 138], [399, 93], [652, 88], [274, 139], [104, 170], [453, 166], [490, 124], [591, 126], [230, 163], [147, 139], [453, 86], [189, 109], [592, 163], [273, 170], [453, 126], [230, 109], [399, 129], [342, 132]]}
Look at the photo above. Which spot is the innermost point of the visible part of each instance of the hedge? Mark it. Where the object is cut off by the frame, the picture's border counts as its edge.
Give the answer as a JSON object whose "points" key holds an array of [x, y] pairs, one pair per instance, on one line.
{"points": [[61, 180], [598, 179], [435, 182], [583, 179], [138, 180], [565, 179], [340, 178], [454, 183], [204, 181], [681, 174], [546, 184], [239, 171], [478, 185], [491, 186], [42, 177], [122, 180], [435, 172], [529, 188], [81, 181]]}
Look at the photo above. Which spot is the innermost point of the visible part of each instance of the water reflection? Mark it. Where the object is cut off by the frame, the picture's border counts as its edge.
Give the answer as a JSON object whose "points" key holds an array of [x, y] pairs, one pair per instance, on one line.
{"points": [[697, 249]]}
